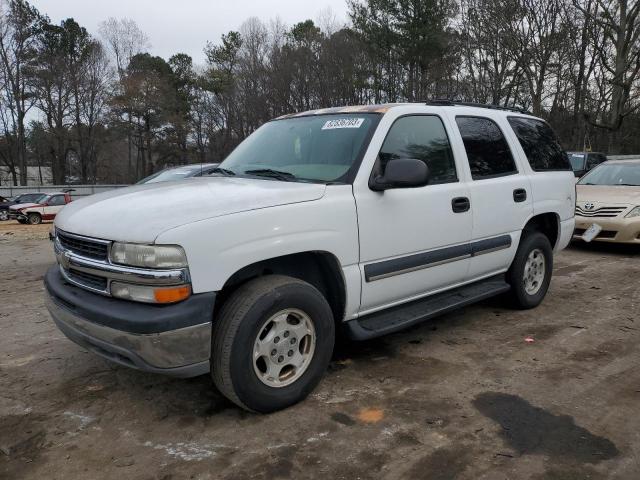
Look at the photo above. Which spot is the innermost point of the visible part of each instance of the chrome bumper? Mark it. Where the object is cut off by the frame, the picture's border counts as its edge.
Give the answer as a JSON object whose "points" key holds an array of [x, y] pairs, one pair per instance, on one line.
{"points": [[184, 352]]}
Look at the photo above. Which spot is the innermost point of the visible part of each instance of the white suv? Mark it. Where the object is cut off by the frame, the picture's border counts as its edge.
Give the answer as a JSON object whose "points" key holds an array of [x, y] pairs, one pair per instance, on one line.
{"points": [[364, 219]]}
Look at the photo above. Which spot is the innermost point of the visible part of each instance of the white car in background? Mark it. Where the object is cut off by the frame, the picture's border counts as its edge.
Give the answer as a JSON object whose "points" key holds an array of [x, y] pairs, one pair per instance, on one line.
{"points": [[180, 173]]}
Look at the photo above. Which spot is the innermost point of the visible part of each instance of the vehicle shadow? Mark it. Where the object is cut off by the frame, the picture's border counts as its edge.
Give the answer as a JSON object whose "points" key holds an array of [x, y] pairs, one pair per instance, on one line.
{"points": [[191, 400], [622, 249]]}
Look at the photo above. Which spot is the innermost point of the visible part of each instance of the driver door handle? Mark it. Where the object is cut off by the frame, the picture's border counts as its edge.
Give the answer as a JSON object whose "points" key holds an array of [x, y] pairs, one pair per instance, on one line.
{"points": [[519, 195], [460, 204]]}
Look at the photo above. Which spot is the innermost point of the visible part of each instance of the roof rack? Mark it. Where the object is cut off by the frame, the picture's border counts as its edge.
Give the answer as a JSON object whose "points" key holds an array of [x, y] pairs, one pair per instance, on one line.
{"points": [[454, 103]]}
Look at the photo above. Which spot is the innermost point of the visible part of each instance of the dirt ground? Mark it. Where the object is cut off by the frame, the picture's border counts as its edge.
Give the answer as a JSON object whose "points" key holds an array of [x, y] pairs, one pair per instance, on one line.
{"points": [[464, 396]]}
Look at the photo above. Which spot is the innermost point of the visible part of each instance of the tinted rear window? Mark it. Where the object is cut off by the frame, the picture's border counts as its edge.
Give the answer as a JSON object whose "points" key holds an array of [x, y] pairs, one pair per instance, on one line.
{"points": [[540, 144], [487, 149]]}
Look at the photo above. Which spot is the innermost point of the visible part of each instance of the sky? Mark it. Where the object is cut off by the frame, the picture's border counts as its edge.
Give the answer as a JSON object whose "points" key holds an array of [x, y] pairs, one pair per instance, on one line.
{"points": [[185, 26]]}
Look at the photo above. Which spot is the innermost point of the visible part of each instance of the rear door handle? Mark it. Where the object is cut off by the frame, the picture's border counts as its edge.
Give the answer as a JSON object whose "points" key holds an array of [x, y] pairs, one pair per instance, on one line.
{"points": [[460, 204], [519, 195]]}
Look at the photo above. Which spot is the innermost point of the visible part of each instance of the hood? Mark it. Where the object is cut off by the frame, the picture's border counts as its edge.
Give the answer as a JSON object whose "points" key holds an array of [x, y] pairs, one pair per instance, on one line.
{"points": [[605, 194], [23, 205], [140, 213]]}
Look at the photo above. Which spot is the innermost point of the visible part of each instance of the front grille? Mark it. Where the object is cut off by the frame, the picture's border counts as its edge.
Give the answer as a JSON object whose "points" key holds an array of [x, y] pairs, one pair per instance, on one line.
{"points": [[87, 279], [600, 212], [83, 247]]}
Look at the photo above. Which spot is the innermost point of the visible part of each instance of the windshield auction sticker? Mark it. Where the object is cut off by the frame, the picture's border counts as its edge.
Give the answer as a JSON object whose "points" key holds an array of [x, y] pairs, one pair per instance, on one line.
{"points": [[343, 123]]}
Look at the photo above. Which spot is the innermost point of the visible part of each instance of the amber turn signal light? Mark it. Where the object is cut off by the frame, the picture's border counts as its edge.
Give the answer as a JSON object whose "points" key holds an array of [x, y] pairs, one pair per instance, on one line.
{"points": [[172, 295]]}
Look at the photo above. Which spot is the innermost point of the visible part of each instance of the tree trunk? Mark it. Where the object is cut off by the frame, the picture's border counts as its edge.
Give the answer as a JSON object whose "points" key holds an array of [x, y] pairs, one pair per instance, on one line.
{"points": [[22, 149]]}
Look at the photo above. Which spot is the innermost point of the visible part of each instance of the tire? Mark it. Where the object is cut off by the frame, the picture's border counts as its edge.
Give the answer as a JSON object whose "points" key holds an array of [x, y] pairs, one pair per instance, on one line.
{"points": [[525, 292], [34, 219], [243, 320], [23, 222], [4, 216]]}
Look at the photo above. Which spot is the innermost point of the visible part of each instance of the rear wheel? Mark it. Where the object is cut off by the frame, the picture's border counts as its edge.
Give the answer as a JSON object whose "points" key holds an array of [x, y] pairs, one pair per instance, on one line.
{"points": [[530, 272], [34, 219], [272, 342]]}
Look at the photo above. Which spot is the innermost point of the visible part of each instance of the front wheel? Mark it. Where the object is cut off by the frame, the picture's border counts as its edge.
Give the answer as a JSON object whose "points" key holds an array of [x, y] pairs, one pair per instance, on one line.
{"points": [[4, 215], [530, 272], [272, 342], [34, 219]]}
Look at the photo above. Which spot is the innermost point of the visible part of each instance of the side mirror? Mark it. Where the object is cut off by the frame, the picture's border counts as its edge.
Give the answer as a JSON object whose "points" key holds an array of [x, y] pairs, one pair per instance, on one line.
{"points": [[401, 173]]}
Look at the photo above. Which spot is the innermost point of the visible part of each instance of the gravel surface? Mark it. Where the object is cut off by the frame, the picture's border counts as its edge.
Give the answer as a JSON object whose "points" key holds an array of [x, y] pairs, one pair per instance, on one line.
{"points": [[465, 396]]}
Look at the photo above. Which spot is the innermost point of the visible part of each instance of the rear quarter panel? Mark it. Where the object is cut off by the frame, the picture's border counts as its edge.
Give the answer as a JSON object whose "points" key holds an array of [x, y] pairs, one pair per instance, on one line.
{"points": [[552, 191], [556, 192]]}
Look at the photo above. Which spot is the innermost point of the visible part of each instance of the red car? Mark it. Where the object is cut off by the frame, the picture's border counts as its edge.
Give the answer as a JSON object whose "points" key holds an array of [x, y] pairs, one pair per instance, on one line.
{"points": [[46, 207]]}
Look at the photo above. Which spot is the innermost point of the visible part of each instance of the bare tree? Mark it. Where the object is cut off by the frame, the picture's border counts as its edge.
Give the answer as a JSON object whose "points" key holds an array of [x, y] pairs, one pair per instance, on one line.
{"points": [[8, 148], [125, 40], [535, 37], [53, 91], [488, 70], [20, 24], [619, 57], [92, 90]]}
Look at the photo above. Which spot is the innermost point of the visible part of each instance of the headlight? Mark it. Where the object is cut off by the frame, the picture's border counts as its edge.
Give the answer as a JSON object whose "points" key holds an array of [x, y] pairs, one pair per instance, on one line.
{"points": [[148, 256], [635, 212], [149, 294]]}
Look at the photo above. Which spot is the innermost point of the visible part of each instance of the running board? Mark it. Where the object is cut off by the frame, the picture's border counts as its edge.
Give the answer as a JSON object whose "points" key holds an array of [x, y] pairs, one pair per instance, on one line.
{"points": [[412, 313]]}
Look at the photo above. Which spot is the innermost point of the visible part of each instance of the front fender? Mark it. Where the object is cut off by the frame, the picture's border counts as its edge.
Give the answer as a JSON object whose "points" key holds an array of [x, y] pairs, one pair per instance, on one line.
{"points": [[217, 248]]}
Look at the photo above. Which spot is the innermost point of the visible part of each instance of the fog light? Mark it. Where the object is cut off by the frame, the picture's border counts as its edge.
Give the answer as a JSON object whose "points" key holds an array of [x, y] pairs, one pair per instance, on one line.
{"points": [[150, 294]]}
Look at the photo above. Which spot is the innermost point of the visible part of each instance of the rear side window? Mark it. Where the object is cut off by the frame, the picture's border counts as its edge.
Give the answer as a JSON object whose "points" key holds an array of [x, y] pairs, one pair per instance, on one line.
{"points": [[540, 144], [56, 200], [577, 161], [487, 150], [422, 137], [595, 159]]}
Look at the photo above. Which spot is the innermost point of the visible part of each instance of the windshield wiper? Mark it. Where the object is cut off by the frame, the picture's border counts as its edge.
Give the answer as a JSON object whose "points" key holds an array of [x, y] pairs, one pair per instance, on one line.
{"points": [[627, 184], [223, 171], [268, 172]]}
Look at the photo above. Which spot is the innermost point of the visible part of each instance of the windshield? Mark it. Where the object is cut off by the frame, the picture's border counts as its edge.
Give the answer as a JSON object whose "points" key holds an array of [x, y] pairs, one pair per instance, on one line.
{"points": [[577, 161], [613, 174], [31, 198], [318, 148], [171, 174]]}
